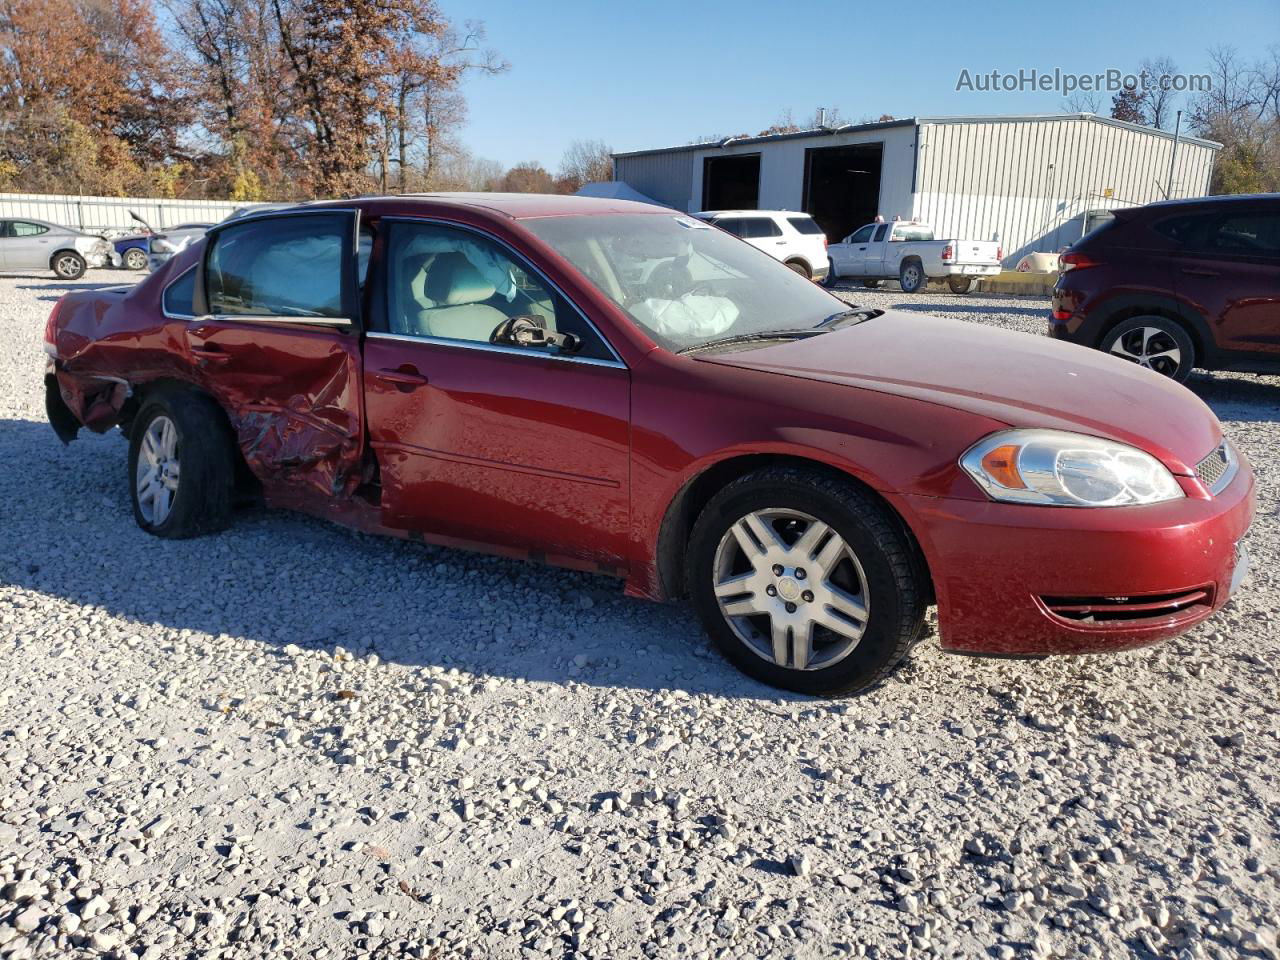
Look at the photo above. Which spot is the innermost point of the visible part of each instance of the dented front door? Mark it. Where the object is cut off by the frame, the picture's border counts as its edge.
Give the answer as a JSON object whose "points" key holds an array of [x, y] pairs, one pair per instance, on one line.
{"points": [[276, 341]]}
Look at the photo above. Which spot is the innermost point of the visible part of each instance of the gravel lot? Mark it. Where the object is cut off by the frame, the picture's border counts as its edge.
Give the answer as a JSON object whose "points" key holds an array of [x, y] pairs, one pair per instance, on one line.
{"points": [[291, 740]]}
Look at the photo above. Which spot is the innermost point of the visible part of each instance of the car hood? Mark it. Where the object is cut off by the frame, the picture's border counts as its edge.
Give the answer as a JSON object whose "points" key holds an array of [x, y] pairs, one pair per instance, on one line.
{"points": [[1010, 377]]}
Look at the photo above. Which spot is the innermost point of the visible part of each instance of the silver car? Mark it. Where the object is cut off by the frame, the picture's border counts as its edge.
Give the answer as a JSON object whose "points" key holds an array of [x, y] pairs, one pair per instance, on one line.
{"points": [[40, 245]]}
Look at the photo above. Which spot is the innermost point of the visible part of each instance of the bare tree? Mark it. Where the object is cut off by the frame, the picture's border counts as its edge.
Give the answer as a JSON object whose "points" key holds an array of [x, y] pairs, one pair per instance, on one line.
{"points": [[1082, 102], [1158, 96], [586, 161]]}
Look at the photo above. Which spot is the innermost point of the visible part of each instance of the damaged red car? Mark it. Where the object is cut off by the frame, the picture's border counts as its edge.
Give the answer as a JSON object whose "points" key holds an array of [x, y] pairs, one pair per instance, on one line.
{"points": [[617, 387]]}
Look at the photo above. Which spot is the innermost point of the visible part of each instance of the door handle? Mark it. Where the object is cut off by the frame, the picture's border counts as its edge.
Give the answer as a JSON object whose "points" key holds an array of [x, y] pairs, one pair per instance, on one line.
{"points": [[1191, 272], [211, 353], [403, 380]]}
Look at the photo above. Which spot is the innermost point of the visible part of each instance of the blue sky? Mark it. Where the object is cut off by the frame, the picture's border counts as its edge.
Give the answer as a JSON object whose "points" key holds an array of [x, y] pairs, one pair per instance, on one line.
{"points": [[660, 72]]}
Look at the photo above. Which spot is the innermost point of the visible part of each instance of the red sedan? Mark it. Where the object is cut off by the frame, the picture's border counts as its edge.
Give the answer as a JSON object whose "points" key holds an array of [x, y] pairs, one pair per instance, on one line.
{"points": [[620, 388]]}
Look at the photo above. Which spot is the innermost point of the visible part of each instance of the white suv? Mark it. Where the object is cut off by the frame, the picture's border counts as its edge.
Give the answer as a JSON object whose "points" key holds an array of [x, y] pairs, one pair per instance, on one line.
{"points": [[784, 235]]}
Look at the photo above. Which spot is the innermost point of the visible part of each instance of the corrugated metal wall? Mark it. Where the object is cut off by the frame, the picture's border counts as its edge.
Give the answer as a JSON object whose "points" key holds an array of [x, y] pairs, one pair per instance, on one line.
{"points": [[1032, 180], [95, 214], [664, 176]]}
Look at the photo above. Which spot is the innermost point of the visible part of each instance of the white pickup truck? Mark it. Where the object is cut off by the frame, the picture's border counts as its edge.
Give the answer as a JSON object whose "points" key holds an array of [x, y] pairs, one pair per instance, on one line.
{"points": [[906, 250]]}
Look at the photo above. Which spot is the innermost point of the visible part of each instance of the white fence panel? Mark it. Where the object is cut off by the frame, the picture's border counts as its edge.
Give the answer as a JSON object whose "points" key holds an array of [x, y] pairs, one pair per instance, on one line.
{"points": [[99, 214]]}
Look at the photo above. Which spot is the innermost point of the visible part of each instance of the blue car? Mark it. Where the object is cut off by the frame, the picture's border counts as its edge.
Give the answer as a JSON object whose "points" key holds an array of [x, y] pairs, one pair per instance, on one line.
{"points": [[133, 252]]}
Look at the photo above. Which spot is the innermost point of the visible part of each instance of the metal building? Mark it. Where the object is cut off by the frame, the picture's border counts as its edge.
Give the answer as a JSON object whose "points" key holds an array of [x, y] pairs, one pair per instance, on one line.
{"points": [[1036, 183]]}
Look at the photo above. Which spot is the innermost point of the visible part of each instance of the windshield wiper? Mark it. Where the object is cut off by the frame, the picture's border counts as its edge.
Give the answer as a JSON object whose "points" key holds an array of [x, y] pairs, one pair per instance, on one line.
{"points": [[751, 338], [846, 318]]}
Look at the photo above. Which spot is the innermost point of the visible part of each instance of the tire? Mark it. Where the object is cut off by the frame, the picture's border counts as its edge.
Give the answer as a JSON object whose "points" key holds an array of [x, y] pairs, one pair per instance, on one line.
{"points": [[959, 284], [199, 491], [1154, 342], [135, 258], [67, 265], [799, 268], [832, 278], [871, 284], [911, 276], [874, 565]]}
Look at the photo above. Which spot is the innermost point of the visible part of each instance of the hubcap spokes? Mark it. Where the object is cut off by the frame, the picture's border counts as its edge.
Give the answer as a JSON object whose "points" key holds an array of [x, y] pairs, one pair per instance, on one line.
{"points": [[1149, 347], [791, 589], [158, 470]]}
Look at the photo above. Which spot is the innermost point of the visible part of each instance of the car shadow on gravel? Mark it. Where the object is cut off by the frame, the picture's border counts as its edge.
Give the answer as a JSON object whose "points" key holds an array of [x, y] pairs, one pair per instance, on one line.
{"points": [[280, 578], [1248, 397]]}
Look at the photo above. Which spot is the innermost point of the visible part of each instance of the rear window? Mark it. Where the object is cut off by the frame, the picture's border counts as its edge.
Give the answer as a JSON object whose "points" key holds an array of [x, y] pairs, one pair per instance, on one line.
{"points": [[756, 227], [912, 231], [805, 225], [1187, 231]]}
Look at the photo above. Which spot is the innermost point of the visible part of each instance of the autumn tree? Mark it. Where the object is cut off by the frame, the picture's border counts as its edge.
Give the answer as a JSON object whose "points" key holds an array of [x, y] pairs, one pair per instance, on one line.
{"points": [[528, 177], [585, 161], [1126, 105]]}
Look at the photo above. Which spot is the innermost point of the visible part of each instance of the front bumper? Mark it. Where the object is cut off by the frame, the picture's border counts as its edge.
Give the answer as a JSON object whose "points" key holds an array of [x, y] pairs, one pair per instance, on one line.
{"points": [[1000, 570]]}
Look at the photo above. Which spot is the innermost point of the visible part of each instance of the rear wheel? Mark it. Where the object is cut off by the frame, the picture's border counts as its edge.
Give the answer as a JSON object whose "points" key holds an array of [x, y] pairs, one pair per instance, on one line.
{"points": [[959, 284], [1154, 342], [805, 581], [68, 265], [799, 268], [181, 467], [135, 259], [911, 276]]}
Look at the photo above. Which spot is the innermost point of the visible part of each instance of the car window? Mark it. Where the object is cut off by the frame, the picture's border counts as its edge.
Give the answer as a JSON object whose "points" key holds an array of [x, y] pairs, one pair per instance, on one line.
{"points": [[911, 231], [880, 232], [22, 228], [863, 234], [682, 282], [1248, 233], [453, 284], [758, 228], [735, 225], [805, 225], [178, 296], [1187, 231], [289, 266]]}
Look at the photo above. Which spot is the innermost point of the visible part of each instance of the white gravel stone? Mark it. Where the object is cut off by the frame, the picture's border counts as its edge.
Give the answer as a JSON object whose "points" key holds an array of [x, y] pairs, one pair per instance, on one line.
{"points": [[293, 734]]}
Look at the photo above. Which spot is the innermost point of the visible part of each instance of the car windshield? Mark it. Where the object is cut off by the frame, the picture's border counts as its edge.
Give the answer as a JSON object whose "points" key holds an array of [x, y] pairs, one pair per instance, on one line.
{"points": [[687, 283]]}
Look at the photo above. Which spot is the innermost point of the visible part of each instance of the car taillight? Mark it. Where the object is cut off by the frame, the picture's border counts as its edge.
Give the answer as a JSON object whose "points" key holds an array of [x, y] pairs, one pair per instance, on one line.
{"points": [[51, 330], [947, 252], [824, 241], [1062, 314], [999, 253], [1076, 261]]}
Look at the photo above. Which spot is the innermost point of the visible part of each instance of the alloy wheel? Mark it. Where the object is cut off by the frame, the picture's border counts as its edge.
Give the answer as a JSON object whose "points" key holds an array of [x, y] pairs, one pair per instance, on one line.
{"points": [[66, 267], [791, 589], [1149, 347], [156, 481], [135, 259]]}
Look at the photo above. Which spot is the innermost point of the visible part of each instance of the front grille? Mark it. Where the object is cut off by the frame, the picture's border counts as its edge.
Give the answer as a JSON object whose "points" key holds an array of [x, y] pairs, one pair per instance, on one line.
{"points": [[1111, 609], [1215, 469]]}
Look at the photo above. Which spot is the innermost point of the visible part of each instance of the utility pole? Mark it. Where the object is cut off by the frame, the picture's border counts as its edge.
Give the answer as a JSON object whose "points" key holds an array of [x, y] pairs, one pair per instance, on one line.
{"points": [[1173, 155]]}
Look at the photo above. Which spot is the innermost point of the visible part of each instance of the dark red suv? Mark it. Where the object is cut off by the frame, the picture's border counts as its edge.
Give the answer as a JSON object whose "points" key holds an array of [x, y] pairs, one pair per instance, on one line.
{"points": [[1177, 285]]}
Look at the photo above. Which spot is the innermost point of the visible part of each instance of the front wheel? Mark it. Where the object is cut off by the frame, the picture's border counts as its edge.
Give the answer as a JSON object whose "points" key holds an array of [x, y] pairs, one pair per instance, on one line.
{"points": [[135, 259], [1154, 342], [832, 278], [181, 469], [805, 581], [911, 276], [799, 268], [68, 265], [959, 284]]}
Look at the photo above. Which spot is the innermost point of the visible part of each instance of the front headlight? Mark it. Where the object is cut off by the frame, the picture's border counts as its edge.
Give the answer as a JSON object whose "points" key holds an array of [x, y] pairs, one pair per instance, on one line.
{"points": [[1056, 468]]}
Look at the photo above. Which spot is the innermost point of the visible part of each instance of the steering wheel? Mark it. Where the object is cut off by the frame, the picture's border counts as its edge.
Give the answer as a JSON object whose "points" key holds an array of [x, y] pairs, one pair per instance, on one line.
{"points": [[670, 280]]}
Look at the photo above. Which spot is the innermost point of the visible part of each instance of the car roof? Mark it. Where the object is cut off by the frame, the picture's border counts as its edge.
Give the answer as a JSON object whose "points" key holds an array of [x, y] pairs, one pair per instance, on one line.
{"points": [[751, 213], [514, 206], [1221, 200]]}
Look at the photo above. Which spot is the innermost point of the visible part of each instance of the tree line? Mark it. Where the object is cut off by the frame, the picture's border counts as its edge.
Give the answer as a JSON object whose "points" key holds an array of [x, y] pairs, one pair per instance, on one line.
{"points": [[248, 100]]}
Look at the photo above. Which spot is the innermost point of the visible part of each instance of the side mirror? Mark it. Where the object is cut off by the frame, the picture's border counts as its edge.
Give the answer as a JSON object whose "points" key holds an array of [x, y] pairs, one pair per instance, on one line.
{"points": [[531, 331]]}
